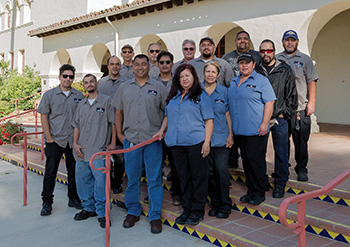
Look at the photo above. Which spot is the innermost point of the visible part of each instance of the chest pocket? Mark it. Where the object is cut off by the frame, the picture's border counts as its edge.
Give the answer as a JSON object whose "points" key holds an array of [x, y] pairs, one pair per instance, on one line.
{"points": [[152, 97], [219, 106]]}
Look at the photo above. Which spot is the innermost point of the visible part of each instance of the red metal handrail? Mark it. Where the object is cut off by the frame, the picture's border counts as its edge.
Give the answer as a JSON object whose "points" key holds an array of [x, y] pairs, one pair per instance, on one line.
{"points": [[25, 162], [299, 227], [106, 170]]}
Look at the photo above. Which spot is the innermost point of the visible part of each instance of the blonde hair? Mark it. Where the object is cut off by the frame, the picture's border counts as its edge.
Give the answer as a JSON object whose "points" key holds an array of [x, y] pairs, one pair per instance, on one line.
{"points": [[214, 63]]}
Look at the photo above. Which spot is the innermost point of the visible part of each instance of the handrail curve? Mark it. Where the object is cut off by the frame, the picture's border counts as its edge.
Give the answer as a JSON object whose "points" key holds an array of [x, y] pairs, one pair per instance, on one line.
{"points": [[300, 200]]}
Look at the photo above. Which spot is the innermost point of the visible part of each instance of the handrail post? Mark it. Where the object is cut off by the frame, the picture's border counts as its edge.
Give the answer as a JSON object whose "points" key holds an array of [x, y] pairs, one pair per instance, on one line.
{"points": [[25, 170], [108, 200], [301, 220]]}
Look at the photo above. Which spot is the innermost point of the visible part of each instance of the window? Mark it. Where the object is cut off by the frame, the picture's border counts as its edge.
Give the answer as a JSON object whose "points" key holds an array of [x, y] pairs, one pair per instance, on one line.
{"points": [[11, 56], [220, 49]]}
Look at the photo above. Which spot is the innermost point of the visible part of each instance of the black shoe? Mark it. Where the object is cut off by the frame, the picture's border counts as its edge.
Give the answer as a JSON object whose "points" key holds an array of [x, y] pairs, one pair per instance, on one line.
{"points": [[194, 220], [256, 199], [117, 189], [83, 215], [169, 177], [212, 212], [182, 218], [46, 209], [102, 221], [245, 198], [146, 201], [278, 193], [176, 200], [74, 203], [302, 177], [233, 164], [223, 214]]}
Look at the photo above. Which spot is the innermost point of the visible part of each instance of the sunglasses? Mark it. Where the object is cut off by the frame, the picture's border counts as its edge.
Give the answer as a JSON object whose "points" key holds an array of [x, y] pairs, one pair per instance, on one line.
{"points": [[163, 62], [188, 49], [268, 51], [66, 76], [127, 52], [154, 51]]}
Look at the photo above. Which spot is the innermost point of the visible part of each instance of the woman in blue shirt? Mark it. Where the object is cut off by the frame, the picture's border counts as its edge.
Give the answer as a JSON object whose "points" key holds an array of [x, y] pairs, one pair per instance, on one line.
{"points": [[189, 124], [221, 141], [251, 100]]}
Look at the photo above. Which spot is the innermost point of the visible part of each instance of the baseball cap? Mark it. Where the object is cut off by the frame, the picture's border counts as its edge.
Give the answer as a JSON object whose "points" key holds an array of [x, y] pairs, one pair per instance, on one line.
{"points": [[128, 46], [246, 56], [207, 38], [290, 34]]}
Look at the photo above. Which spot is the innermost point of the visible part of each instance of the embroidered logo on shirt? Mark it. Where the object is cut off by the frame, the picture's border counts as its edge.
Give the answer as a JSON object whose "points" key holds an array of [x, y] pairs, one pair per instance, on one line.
{"points": [[77, 100], [100, 109], [197, 101], [152, 92], [250, 86], [298, 63], [219, 101]]}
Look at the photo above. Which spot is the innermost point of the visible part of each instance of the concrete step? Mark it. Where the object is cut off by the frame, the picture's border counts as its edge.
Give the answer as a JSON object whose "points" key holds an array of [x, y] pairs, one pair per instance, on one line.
{"points": [[247, 225]]}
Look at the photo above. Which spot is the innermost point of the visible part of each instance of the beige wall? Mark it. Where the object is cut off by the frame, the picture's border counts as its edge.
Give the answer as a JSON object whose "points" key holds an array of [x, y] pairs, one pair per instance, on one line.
{"points": [[331, 53]]}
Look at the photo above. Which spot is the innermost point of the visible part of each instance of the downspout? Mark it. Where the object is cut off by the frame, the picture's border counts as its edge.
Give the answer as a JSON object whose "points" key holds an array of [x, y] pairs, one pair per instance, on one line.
{"points": [[116, 42]]}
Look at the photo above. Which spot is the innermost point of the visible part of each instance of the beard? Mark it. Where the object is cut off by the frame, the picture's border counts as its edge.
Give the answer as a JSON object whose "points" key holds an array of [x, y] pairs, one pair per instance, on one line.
{"points": [[290, 50], [206, 55]]}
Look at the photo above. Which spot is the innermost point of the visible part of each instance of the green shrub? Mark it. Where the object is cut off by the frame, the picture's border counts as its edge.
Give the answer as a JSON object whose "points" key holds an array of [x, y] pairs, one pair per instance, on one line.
{"points": [[8, 129]]}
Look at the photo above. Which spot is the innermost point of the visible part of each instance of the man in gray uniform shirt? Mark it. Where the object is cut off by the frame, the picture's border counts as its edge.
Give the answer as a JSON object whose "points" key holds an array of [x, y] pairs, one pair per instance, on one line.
{"points": [[140, 105], [207, 49], [306, 77], [152, 52], [57, 108], [109, 84], [94, 132], [188, 50], [127, 53], [242, 43]]}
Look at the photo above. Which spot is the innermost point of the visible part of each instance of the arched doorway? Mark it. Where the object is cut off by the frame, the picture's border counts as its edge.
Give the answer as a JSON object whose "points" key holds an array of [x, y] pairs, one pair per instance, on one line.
{"points": [[61, 57], [142, 45], [96, 60], [330, 52]]}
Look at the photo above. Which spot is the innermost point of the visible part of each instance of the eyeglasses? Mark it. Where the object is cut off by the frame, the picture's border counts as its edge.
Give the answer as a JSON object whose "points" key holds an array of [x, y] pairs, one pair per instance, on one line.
{"points": [[268, 51], [163, 62], [188, 49], [127, 52], [66, 76], [154, 51]]}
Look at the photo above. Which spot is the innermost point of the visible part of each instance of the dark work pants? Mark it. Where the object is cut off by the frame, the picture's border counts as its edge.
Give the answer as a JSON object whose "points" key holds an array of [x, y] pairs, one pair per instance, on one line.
{"points": [[234, 154], [280, 139], [118, 169], [253, 153], [193, 175], [300, 131], [53, 153], [175, 181], [219, 179]]}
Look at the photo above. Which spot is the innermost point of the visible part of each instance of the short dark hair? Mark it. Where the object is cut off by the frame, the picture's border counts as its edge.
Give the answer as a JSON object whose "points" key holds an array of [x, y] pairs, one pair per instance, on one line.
{"points": [[67, 67], [165, 53], [112, 57], [140, 56], [88, 75], [268, 41], [194, 91], [242, 32]]}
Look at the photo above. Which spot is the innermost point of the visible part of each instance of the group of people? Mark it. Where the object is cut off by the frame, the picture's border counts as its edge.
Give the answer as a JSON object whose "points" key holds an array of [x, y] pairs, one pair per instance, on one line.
{"points": [[209, 110]]}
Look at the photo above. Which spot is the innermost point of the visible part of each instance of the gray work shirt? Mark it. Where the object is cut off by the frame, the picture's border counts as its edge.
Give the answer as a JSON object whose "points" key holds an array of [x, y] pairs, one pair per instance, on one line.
{"points": [[126, 72], [95, 126], [177, 64], [226, 74], [143, 109], [60, 110], [167, 84], [109, 87], [154, 70], [232, 57], [304, 71]]}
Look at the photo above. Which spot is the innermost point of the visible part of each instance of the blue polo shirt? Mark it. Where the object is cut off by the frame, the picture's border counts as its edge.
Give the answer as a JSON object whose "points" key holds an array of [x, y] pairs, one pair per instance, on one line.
{"points": [[247, 103], [186, 120], [219, 101]]}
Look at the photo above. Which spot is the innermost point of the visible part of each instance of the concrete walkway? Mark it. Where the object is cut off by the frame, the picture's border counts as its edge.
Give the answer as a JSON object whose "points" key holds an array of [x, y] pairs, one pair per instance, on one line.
{"points": [[23, 226]]}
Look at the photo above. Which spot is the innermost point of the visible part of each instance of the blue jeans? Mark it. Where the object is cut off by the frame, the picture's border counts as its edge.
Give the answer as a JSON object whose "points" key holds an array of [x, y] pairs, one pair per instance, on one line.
{"points": [[151, 155], [280, 144], [91, 186]]}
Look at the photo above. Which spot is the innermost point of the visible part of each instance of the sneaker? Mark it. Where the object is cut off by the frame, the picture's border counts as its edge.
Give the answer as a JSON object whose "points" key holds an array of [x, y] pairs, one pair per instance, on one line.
{"points": [[74, 203], [83, 215], [302, 177], [102, 221], [46, 209]]}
